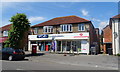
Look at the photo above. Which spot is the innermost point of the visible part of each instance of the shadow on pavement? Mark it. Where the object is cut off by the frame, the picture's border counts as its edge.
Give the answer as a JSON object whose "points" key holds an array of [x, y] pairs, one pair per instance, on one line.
{"points": [[37, 54], [22, 60]]}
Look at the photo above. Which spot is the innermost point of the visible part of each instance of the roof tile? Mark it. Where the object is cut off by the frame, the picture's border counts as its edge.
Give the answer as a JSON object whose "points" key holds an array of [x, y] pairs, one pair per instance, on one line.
{"points": [[6, 27], [62, 20], [117, 16]]}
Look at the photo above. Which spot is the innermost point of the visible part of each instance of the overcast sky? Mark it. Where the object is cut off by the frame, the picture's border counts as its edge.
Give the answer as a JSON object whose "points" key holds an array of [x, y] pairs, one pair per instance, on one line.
{"points": [[98, 12]]}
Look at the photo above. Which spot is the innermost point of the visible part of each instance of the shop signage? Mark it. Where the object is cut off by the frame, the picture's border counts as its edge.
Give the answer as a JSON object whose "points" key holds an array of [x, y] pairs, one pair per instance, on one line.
{"points": [[80, 35], [42, 36], [56, 36]]}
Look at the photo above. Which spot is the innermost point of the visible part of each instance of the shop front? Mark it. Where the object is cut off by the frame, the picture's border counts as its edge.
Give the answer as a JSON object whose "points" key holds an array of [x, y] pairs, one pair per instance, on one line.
{"points": [[61, 43]]}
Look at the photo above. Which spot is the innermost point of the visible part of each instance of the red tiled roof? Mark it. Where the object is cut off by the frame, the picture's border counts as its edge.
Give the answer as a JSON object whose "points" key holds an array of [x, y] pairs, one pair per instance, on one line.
{"points": [[62, 20], [3, 39], [6, 27], [117, 16]]}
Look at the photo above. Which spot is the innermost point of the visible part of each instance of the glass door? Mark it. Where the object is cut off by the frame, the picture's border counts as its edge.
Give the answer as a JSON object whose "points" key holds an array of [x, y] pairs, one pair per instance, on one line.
{"points": [[59, 46], [68, 45]]}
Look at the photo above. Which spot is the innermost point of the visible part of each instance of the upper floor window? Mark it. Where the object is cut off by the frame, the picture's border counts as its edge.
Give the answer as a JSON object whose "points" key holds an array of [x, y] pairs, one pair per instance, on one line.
{"points": [[35, 30], [66, 28], [48, 29], [5, 33], [81, 27]]}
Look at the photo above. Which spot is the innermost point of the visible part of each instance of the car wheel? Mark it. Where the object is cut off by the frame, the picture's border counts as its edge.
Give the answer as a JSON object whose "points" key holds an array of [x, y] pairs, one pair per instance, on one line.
{"points": [[10, 58]]}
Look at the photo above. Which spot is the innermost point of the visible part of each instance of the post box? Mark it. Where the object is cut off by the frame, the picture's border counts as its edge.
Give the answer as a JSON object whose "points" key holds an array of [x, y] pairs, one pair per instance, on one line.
{"points": [[34, 49]]}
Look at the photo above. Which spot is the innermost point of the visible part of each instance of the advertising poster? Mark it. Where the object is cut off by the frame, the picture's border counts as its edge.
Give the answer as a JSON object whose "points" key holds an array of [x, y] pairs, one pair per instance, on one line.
{"points": [[84, 46]]}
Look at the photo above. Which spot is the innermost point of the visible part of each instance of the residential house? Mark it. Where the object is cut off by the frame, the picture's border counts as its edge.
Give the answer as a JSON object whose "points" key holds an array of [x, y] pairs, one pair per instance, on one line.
{"points": [[115, 25], [66, 34], [107, 40], [98, 38], [4, 36]]}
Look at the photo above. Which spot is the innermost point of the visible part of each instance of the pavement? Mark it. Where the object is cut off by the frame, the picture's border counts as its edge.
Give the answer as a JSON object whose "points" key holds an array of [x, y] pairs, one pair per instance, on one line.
{"points": [[53, 61], [97, 61]]}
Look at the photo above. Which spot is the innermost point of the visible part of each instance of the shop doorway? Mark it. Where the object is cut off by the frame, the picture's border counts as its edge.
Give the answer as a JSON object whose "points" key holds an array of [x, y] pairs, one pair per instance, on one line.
{"points": [[58, 45], [109, 48], [45, 46]]}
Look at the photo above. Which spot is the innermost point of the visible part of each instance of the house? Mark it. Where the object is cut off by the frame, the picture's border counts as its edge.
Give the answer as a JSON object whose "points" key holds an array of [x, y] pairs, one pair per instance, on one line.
{"points": [[107, 40], [4, 34], [115, 25], [97, 31], [66, 34]]}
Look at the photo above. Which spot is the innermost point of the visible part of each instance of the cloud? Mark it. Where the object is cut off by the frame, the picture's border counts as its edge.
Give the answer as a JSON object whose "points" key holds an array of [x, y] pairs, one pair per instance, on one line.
{"points": [[94, 19], [5, 22], [35, 19], [31, 19], [103, 24], [84, 12]]}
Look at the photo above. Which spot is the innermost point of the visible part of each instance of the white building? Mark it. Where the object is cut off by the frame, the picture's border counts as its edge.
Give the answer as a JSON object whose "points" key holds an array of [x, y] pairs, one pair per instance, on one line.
{"points": [[115, 24]]}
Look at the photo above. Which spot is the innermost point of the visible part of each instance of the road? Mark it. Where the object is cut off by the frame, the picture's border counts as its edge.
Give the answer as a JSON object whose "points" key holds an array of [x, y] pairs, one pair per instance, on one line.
{"points": [[60, 62]]}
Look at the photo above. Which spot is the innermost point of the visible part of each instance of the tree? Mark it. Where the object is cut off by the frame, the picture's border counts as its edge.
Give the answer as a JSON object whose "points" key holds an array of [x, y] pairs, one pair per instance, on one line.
{"points": [[19, 29]]}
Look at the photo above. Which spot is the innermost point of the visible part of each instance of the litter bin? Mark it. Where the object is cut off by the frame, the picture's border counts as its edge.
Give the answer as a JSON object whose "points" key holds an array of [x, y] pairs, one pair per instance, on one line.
{"points": [[110, 51], [93, 51]]}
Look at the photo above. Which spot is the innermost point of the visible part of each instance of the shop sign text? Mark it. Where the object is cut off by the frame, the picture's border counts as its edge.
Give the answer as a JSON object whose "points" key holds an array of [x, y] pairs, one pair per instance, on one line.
{"points": [[42, 36]]}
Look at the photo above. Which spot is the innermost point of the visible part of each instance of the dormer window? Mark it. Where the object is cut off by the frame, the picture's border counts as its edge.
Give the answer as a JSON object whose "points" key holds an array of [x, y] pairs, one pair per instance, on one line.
{"points": [[48, 29], [5, 33], [81, 27], [66, 28]]}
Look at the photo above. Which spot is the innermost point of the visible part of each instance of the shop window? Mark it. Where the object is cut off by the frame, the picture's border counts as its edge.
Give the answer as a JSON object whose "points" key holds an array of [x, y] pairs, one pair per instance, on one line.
{"points": [[81, 27], [48, 29], [66, 28], [35, 30], [5, 33]]}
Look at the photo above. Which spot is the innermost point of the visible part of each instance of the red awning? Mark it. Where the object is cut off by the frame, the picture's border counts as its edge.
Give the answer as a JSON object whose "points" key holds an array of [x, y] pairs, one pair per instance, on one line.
{"points": [[3, 39]]}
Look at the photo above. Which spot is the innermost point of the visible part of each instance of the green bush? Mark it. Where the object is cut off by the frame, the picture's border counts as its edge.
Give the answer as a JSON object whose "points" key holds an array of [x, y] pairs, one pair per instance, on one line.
{"points": [[118, 54]]}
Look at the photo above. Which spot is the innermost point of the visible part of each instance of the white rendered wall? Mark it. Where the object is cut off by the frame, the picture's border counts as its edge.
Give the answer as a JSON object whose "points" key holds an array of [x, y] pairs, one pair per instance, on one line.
{"points": [[115, 41]]}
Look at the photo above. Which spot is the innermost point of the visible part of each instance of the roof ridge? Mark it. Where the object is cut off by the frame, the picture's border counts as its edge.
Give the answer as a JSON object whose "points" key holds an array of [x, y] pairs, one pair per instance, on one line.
{"points": [[66, 16]]}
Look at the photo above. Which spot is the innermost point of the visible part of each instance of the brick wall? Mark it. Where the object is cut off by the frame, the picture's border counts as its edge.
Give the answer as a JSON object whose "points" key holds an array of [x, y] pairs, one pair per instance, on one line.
{"points": [[57, 27], [107, 34]]}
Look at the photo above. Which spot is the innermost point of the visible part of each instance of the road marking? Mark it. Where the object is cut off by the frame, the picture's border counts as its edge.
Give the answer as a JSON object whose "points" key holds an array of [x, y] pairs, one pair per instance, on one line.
{"points": [[96, 66], [19, 69]]}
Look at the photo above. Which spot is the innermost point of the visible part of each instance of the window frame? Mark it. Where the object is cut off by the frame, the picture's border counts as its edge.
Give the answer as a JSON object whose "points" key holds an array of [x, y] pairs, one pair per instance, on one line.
{"points": [[80, 28], [35, 30], [49, 29], [66, 28], [5, 33]]}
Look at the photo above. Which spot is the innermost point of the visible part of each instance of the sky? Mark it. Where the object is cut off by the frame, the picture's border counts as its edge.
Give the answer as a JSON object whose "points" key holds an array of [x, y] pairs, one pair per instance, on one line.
{"points": [[37, 12]]}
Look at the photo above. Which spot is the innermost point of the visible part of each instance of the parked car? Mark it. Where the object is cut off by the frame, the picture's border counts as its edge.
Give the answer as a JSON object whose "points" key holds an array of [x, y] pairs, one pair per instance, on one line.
{"points": [[12, 54]]}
